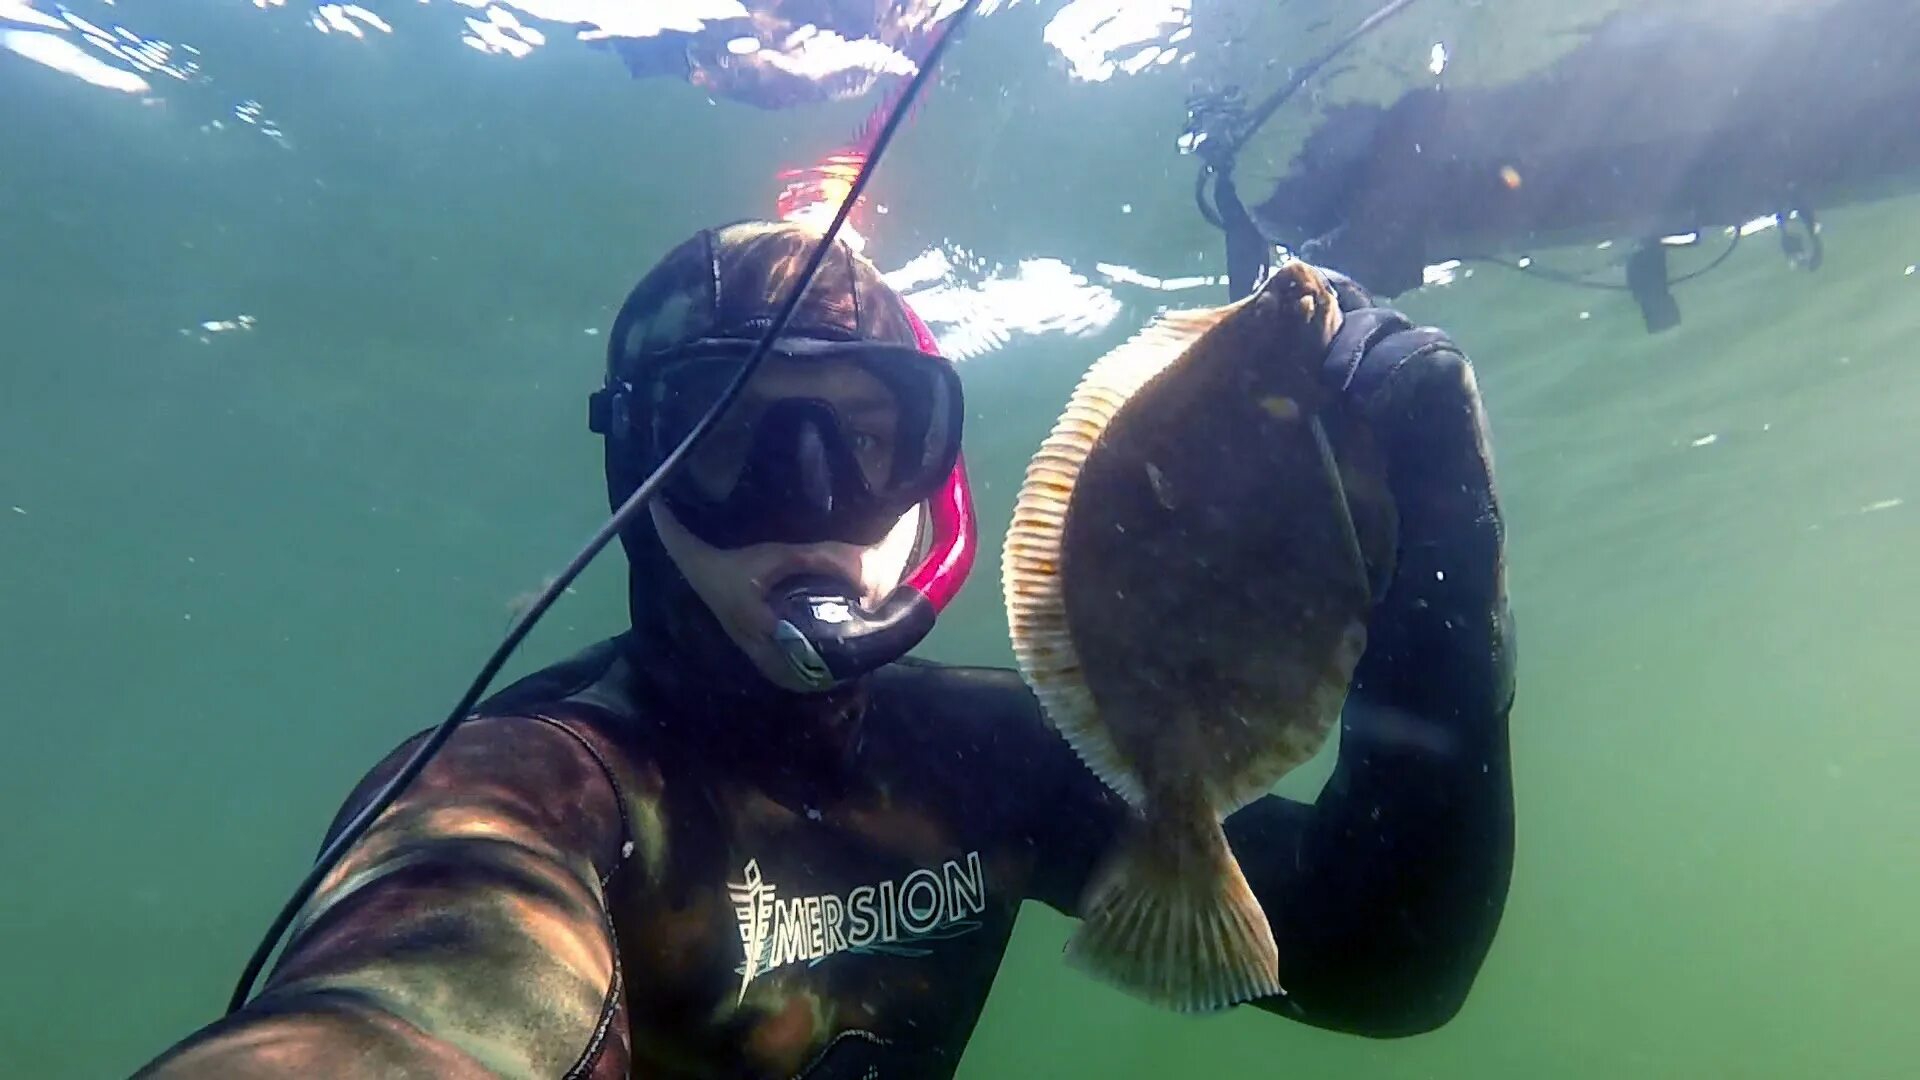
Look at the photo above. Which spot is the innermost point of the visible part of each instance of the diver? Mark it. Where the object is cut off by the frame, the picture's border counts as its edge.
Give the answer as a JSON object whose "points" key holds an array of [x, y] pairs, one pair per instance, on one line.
{"points": [[686, 852]]}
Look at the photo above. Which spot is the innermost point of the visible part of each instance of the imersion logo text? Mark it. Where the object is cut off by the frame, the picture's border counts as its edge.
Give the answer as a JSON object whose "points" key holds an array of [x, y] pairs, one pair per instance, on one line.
{"points": [[776, 931]]}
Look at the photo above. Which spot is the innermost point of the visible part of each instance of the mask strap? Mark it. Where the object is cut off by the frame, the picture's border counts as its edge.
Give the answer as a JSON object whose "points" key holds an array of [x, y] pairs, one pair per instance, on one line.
{"points": [[955, 529]]}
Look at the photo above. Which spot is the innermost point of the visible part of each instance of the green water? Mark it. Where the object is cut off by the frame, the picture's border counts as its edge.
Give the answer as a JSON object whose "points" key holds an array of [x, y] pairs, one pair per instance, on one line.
{"points": [[233, 571]]}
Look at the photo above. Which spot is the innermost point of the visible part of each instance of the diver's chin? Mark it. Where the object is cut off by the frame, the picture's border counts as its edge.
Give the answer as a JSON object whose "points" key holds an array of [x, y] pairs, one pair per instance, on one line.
{"points": [[801, 604], [753, 627], [772, 665], [779, 658]]}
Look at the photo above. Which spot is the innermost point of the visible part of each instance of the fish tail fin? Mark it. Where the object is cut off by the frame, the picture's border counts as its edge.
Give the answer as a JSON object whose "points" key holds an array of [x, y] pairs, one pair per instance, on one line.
{"points": [[1170, 919]]}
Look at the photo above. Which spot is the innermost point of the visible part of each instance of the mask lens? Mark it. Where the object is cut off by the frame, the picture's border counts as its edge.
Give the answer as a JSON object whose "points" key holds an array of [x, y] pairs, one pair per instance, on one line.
{"points": [[684, 396], [890, 412]]}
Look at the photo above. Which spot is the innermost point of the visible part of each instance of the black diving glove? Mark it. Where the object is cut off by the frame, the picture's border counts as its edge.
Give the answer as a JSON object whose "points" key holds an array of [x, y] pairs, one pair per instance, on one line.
{"points": [[1446, 603]]}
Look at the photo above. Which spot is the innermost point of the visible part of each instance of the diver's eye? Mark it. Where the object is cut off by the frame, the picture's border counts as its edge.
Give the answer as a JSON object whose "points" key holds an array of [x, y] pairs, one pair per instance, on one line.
{"points": [[865, 442]]}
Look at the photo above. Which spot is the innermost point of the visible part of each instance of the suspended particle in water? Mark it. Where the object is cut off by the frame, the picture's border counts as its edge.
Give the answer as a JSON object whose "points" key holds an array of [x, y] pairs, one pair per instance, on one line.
{"points": [[1510, 176]]}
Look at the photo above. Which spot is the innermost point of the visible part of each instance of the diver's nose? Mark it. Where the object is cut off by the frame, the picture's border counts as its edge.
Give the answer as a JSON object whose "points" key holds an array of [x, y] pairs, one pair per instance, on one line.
{"points": [[816, 479]]}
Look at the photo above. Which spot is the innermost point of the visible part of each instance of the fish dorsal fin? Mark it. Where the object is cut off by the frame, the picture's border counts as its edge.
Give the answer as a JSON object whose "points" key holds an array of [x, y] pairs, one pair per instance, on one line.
{"points": [[1030, 562]]}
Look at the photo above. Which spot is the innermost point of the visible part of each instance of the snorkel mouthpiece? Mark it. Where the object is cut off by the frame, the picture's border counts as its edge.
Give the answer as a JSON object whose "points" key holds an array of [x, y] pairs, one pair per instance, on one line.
{"points": [[828, 637]]}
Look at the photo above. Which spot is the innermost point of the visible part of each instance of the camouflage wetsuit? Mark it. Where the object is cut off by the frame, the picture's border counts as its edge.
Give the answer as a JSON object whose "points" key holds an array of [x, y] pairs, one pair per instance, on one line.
{"points": [[642, 862]]}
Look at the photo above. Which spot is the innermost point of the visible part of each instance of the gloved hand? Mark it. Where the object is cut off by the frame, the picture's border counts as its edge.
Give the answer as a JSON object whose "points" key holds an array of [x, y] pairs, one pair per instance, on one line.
{"points": [[1414, 390]]}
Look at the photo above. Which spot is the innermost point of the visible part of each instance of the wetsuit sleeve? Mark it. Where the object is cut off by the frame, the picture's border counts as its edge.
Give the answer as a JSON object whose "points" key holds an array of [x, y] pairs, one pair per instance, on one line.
{"points": [[1384, 898], [463, 936]]}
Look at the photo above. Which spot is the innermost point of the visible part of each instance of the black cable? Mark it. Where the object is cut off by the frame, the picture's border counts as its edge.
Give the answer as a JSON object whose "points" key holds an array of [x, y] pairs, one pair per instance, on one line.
{"points": [[1544, 273], [1200, 197], [1561, 277], [1715, 264], [641, 496]]}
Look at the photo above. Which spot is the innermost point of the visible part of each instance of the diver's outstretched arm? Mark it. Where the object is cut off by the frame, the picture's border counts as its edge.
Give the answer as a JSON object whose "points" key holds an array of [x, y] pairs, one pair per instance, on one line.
{"points": [[464, 935], [1385, 899]]}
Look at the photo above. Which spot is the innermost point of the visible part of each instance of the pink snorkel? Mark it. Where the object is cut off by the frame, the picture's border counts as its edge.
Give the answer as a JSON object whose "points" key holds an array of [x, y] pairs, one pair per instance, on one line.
{"points": [[829, 637], [940, 575]]}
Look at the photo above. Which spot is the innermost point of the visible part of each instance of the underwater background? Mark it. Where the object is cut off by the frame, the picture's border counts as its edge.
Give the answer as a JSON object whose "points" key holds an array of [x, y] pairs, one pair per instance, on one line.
{"points": [[295, 343]]}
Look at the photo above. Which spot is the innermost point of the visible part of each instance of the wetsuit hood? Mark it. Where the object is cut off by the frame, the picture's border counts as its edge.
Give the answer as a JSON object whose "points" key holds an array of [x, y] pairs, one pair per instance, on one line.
{"points": [[724, 285]]}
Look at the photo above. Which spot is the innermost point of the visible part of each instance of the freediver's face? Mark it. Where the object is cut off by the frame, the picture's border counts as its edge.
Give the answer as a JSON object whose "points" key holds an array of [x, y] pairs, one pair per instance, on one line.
{"points": [[737, 583]]}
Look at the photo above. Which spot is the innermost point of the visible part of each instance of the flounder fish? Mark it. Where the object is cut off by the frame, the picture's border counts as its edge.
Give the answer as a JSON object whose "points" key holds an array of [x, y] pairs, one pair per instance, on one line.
{"points": [[1188, 579]]}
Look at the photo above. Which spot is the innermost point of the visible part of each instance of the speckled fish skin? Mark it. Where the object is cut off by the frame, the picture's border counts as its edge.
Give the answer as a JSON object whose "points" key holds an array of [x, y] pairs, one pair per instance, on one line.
{"points": [[1188, 584], [1208, 566]]}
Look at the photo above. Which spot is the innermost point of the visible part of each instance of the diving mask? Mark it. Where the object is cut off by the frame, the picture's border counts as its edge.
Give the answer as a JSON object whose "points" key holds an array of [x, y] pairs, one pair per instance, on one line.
{"points": [[828, 441]]}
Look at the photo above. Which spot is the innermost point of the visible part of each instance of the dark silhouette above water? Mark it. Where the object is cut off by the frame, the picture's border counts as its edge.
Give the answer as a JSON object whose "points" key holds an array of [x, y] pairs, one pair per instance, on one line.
{"points": [[784, 53], [1661, 123]]}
